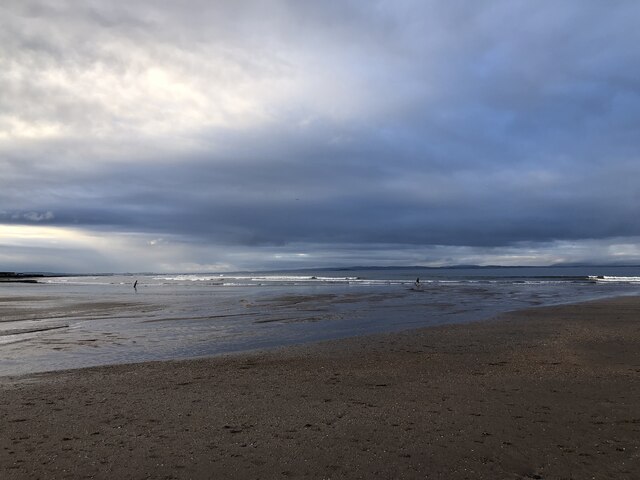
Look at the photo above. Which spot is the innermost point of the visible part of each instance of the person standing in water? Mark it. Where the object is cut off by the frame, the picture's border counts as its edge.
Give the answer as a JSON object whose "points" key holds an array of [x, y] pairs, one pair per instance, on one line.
{"points": [[135, 285]]}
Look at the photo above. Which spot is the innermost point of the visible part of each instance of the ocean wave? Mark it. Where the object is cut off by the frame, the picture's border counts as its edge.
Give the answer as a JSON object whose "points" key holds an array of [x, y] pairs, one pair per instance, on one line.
{"points": [[190, 278], [253, 278], [299, 278], [64, 281], [612, 279]]}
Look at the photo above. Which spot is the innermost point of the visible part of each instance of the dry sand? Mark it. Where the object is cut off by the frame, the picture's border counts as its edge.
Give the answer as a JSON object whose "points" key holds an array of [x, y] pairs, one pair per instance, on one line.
{"points": [[549, 393]]}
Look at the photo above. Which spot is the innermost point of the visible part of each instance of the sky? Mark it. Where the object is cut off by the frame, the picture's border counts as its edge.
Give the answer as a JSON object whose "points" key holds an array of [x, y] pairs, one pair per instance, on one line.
{"points": [[266, 134]]}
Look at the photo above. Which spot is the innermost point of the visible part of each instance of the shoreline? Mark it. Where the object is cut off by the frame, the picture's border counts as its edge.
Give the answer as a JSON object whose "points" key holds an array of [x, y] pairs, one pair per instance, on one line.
{"points": [[548, 392], [9, 377], [88, 307]]}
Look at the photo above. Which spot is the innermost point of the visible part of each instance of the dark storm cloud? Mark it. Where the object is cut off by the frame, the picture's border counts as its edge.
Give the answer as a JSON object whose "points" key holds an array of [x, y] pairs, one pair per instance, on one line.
{"points": [[324, 123], [326, 196]]}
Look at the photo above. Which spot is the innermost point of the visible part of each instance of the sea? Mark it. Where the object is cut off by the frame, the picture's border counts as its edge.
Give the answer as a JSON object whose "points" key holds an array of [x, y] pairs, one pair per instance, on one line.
{"points": [[65, 322]]}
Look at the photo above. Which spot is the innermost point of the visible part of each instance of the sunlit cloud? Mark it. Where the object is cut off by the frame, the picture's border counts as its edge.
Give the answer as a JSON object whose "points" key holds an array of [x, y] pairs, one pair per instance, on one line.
{"points": [[55, 238]]}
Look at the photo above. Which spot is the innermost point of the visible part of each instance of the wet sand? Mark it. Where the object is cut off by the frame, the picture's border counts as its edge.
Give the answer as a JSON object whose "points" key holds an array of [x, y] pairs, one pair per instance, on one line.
{"points": [[549, 393]]}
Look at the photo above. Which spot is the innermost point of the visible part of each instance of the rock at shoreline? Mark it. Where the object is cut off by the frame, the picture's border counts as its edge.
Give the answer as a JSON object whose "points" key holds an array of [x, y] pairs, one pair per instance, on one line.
{"points": [[19, 277]]}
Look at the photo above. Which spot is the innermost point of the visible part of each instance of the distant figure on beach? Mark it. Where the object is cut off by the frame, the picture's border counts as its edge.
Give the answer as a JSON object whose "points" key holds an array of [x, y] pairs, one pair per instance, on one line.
{"points": [[418, 282], [135, 285], [417, 285]]}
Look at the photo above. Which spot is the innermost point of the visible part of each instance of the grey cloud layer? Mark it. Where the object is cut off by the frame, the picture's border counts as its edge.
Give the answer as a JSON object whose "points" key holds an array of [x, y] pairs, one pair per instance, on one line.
{"points": [[271, 123]]}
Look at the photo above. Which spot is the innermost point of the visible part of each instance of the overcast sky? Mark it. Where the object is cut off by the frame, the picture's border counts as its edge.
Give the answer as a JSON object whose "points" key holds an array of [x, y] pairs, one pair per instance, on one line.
{"points": [[221, 135]]}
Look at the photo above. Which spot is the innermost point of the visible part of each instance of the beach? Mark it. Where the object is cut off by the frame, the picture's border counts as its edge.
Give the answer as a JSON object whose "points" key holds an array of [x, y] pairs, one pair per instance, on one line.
{"points": [[550, 393]]}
